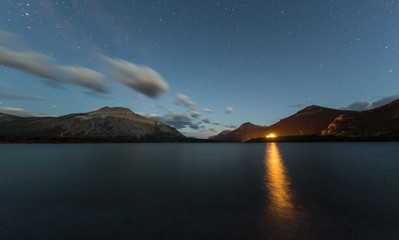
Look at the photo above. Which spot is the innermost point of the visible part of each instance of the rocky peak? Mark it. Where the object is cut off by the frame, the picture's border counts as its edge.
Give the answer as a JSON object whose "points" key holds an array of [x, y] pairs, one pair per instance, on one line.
{"points": [[247, 125], [113, 110], [310, 110]]}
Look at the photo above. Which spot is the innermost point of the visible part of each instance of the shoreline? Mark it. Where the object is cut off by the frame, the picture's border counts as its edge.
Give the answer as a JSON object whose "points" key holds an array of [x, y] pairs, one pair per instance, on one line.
{"points": [[74, 140]]}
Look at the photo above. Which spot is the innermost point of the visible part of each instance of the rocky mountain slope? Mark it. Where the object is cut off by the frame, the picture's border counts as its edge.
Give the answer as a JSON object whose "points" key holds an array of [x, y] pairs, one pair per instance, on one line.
{"points": [[245, 132], [309, 121], [316, 120], [221, 136], [105, 123], [382, 121]]}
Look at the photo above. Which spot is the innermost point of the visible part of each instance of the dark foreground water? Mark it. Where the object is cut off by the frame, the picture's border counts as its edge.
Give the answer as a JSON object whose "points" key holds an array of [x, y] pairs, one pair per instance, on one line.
{"points": [[200, 191]]}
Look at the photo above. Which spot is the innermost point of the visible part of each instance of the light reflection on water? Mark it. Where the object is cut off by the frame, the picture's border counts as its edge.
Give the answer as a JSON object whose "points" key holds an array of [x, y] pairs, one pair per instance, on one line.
{"points": [[278, 184], [282, 209]]}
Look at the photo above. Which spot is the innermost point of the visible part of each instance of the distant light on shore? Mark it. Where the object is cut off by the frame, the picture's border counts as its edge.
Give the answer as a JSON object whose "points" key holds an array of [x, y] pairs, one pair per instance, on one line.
{"points": [[271, 135]]}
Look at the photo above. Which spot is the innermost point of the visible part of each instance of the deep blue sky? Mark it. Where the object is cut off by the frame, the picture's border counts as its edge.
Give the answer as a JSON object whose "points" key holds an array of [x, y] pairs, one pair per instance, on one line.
{"points": [[265, 59]]}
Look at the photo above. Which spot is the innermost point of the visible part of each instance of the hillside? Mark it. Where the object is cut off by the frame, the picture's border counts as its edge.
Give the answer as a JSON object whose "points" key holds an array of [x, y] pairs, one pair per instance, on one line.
{"points": [[382, 121], [105, 123], [309, 121], [317, 121]]}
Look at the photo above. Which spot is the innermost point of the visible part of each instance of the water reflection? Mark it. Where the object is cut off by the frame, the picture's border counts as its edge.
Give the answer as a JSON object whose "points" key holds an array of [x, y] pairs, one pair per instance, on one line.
{"points": [[278, 185], [283, 212]]}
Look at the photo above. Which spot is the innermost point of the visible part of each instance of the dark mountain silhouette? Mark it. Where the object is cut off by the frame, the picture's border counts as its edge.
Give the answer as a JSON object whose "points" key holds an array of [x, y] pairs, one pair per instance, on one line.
{"points": [[382, 121], [309, 121], [245, 132], [221, 136], [105, 123], [316, 121], [122, 124]]}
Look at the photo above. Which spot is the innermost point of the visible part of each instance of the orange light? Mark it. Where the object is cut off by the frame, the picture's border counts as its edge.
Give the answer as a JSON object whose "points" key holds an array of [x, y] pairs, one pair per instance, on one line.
{"points": [[271, 135], [278, 184]]}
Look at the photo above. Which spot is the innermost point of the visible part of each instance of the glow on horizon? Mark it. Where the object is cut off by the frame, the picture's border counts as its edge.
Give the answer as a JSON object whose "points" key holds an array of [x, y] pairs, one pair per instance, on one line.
{"points": [[271, 135]]}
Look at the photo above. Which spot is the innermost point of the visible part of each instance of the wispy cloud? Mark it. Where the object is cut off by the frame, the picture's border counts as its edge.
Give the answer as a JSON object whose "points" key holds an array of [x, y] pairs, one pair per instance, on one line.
{"points": [[179, 120], [149, 115], [216, 123], [363, 105], [206, 120], [297, 105], [9, 39], [230, 126], [195, 114], [229, 109], [15, 56], [6, 95], [185, 100], [207, 110], [141, 78], [20, 112]]}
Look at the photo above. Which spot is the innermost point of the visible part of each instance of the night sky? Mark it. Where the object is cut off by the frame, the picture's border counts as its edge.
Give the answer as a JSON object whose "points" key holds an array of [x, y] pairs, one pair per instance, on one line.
{"points": [[201, 66]]}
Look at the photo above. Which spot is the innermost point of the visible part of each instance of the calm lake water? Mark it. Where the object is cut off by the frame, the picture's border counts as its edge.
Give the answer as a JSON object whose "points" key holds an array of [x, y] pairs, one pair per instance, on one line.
{"points": [[200, 191]]}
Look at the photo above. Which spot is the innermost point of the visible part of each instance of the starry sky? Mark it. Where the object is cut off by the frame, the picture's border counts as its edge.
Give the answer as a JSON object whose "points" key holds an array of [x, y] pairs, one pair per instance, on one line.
{"points": [[201, 66]]}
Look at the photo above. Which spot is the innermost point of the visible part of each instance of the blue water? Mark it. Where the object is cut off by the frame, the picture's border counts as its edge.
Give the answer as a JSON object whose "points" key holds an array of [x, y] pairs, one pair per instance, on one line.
{"points": [[200, 191]]}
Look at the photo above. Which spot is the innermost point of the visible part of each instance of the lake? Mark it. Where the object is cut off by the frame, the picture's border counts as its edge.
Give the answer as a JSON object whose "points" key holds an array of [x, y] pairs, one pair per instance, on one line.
{"points": [[200, 191]]}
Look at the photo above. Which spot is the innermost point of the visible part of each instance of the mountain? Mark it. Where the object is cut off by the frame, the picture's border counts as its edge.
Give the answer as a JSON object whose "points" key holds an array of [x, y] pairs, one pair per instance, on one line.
{"points": [[245, 132], [221, 136], [382, 121], [105, 123], [4, 117], [309, 121]]}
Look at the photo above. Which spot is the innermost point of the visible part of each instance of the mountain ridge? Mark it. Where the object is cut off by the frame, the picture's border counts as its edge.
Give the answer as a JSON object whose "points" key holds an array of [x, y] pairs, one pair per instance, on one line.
{"points": [[104, 123], [379, 121], [315, 120]]}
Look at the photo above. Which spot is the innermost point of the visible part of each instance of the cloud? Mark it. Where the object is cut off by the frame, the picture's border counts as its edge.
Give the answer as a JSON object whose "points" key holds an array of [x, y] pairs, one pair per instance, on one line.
{"points": [[195, 114], [196, 126], [229, 109], [20, 97], [149, 115], [230, 126], [296, 105], [141, 78], [185, 100], [207, 110], [216, 123], [206, 120], [44, 66], [363, 105], [179, 120], [9, 39], [81, 76], [359, 106], [20, 112]]}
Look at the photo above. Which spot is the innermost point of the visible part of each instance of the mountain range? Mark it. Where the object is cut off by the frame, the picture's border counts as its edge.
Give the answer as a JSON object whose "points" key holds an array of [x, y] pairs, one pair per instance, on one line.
{"points": [[321, 121], [117, 123], [106, 123]]}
